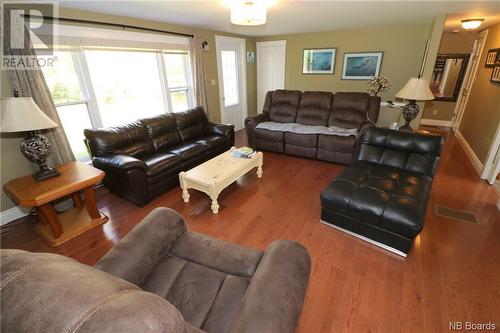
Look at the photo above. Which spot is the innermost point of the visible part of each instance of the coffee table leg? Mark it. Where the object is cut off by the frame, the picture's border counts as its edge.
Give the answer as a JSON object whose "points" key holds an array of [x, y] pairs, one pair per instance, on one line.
{"points": [[50, 216], [261, 162], [215, 204], [185, 193]]}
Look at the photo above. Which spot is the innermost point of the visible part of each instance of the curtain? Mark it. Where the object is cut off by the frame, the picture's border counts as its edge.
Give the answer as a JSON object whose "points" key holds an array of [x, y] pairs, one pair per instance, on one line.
{"points": [[31, 83], [199, 72]]}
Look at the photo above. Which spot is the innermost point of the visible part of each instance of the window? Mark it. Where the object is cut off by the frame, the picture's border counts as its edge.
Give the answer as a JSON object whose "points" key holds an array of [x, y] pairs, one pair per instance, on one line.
{"points": [[70, 100], [179, 80], [100, 87], [126, 84], [230, 77]]}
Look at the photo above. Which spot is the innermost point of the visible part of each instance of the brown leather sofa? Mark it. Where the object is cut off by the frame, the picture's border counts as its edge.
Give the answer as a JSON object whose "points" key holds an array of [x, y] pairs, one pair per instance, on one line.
{"points": [[316, 115], [143, 159], [158, 278]]}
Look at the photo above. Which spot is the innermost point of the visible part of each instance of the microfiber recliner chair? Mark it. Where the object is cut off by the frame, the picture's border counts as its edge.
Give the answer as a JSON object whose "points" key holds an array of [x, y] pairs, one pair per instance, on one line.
{"points": [[158, 278]]}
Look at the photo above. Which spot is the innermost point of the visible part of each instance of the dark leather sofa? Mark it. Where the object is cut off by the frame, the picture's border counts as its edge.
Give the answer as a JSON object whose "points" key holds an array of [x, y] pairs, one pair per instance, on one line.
{"points": [[143, 159], [159, 278], [318, 111], [383, 196]]}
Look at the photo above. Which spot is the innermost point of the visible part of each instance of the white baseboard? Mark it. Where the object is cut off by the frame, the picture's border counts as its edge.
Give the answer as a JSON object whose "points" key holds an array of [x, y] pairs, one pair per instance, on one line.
{"points": [[12, 214], [434, 122], [476, 163]]}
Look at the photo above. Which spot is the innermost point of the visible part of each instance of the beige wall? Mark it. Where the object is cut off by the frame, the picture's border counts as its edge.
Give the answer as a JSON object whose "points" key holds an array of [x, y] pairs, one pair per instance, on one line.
{"points": [[403, 47], [482, 114], [460, 43], [13, 164]]}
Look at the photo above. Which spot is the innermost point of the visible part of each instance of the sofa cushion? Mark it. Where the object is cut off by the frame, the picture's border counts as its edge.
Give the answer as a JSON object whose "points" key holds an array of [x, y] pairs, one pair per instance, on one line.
{"points": [[338, 143], [383, 196], [187, 151], [284, 106], [160, 162], [303, 140], [315, 107], [162, 131], [131, 139], [212, 141], [264, 134], [191, 123], [349, 110]]}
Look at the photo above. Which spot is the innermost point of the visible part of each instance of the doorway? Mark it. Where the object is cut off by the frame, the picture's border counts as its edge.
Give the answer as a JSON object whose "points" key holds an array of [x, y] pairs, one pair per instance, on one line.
{"points": [[270, 68], [231, 67], [470, 77]]}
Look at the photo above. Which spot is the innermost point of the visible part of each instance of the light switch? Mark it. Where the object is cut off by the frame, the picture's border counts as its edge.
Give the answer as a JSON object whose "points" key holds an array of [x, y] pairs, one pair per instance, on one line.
{"points": [[212, 82]]}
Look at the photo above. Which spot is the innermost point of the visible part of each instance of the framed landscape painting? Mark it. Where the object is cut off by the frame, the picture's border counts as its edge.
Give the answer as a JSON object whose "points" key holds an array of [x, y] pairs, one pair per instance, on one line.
{"points": [[319, 61], [361, 66]]}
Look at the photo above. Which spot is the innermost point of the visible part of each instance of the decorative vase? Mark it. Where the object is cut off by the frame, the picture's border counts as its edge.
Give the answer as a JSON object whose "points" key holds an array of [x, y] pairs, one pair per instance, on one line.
{"points": [[36, 148]]}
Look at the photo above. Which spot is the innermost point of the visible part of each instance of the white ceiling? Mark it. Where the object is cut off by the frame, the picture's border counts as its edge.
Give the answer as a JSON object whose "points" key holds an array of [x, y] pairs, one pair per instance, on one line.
{"points": [[296, 16]]}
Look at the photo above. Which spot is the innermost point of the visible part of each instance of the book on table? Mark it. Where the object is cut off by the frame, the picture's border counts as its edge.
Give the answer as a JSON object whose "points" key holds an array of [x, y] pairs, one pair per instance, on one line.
{"points": [[243, 152]]}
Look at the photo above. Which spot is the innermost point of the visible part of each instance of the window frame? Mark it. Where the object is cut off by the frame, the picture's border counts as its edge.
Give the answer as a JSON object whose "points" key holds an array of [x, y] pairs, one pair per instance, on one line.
{"points": [[87, 88]]}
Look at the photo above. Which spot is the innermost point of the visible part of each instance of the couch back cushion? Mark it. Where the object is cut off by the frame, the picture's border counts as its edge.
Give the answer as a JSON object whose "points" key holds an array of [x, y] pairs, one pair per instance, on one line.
{"points": [[162, 130], [284, 106], [349, 109], [131, 139], [315, 107], [191, 123], [403, 150]]}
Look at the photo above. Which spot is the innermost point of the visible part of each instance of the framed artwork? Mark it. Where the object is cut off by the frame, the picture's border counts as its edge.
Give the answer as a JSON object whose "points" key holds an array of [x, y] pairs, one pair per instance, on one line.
{"points": [[250, 57], [362, 65], [493, 58], [319, 61], [495, 75]]}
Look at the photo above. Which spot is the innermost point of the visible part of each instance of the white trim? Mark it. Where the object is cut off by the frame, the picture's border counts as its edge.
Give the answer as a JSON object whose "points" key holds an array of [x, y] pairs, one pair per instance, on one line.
{"points": [[435, 122], [371, 241], [490, 169], [476, 163], [271, 43], [12, 214]]}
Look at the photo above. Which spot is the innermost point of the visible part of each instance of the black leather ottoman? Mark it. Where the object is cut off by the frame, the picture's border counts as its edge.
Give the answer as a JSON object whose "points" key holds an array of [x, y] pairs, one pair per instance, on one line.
{"points": [[382, 197]]}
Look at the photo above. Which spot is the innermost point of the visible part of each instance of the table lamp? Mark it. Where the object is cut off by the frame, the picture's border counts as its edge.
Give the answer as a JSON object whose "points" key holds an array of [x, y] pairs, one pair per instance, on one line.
{"points": [[21, 114], [417, 89]]}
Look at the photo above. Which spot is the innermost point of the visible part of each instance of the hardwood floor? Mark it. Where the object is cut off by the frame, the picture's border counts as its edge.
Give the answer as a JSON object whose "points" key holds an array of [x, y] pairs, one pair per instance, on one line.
{"points": [[451, 274]]}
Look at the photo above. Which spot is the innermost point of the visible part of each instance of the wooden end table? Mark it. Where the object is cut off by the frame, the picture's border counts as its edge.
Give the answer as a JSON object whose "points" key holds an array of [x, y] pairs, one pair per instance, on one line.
{"points": [[54, 228], [216, 174]]}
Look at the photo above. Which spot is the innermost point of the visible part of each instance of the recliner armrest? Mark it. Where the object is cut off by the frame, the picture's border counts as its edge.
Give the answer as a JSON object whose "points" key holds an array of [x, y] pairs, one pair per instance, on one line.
{"points": [[135, 256], [253, 121], [122, 162], [221, 129], [273, 301]]}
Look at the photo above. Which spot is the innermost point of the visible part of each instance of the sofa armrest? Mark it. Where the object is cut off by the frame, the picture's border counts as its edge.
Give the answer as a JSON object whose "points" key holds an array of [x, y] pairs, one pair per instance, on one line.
{"points": [[273, 301], [220, 129], [135, 256], [250, 124], [122, 162]]}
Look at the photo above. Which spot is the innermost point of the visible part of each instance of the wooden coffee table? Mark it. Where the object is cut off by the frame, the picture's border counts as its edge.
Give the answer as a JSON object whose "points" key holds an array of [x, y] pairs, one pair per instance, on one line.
{"points": [[216, 174], [60, 228]]}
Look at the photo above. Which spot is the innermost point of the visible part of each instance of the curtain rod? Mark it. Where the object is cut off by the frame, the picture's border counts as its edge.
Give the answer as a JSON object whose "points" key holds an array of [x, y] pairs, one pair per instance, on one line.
{"points": [[123, 26]]}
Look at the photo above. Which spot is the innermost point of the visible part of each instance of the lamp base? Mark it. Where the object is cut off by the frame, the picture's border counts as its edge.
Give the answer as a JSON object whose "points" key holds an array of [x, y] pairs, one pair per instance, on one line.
{"points": [[410, 112], [46, 174]]}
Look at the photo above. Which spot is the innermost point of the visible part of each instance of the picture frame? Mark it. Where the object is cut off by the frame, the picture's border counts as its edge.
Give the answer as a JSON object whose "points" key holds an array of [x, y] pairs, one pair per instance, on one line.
{"points": [[495, 75], [319, 61], [361, 65], [492, 58], [250, 57]]}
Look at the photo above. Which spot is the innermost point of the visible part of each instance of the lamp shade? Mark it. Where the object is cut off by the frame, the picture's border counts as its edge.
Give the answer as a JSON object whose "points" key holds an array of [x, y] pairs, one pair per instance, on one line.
{"points": [[417, 89], [21, 114]]}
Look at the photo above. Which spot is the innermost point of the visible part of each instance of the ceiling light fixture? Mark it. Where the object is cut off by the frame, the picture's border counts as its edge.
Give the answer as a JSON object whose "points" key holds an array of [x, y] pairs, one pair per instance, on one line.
{"points": [[470, 24], [248, 12]]}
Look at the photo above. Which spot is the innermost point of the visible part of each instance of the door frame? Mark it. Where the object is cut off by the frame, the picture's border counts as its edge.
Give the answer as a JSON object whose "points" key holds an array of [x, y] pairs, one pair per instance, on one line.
{"points": [[492, 164], [470, 74], [259, 46], [242, 78]]}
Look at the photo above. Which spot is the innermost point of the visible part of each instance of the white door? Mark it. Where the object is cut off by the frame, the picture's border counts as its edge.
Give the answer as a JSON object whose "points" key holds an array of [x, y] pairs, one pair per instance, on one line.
{"points": [[270, 68], [470, 77], [231, 66]]}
